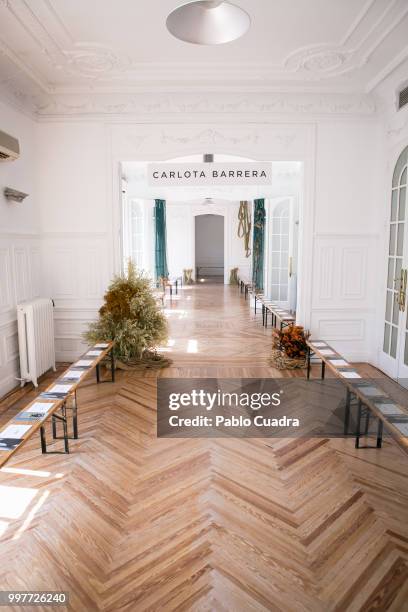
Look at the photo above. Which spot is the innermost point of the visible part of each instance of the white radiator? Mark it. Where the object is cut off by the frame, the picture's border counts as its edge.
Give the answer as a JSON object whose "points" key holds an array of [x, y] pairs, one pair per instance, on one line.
{"points": [[35, 320]]}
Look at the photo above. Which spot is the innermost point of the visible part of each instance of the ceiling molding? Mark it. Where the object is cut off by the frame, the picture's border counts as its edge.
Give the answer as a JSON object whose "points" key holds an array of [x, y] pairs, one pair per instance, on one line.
{"points": [[225, 103], [388, 70], [101, 81]]}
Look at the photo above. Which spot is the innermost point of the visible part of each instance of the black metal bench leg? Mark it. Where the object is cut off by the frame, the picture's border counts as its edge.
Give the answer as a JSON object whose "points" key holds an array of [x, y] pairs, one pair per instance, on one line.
{"points": [[176, 287], [367, 422], [255, 304], [266, 317], [54, 428], [75, 417], [359, 409], [308, 363], [347, 413], [323, 369], [65, 430], [43, 440], [55, 417], [379, 433], [98, 373]]}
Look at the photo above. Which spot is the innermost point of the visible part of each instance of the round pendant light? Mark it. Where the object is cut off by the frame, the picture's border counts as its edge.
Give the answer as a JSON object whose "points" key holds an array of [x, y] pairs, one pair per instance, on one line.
{"points": [[207, 22]]}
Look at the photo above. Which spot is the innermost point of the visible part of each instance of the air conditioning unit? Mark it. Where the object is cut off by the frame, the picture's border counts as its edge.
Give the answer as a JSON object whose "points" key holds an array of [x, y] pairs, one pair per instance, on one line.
{"points": [[9, 147]]}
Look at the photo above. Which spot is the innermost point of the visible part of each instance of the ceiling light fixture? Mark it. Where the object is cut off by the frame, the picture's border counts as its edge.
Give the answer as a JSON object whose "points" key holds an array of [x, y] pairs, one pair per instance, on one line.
{"points": [[208, 22]]}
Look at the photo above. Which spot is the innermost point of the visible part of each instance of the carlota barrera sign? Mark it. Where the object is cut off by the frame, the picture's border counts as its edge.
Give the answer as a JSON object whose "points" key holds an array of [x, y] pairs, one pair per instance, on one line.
{"points": [[182, 175]]}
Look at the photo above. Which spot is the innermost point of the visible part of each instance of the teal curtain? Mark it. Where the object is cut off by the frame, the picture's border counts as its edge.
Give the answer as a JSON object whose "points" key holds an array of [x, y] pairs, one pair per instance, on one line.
{"points": [[160, 239], [259, 244]]}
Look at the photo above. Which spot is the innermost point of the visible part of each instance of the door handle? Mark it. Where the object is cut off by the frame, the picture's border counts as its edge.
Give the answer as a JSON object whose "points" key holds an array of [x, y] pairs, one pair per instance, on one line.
{"points": [[403, 289], [401, 295]]}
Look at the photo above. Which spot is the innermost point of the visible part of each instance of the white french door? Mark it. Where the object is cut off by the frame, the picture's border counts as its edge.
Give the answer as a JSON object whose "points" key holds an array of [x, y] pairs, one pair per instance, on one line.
{"points": [[394, 355], [279, 254]]}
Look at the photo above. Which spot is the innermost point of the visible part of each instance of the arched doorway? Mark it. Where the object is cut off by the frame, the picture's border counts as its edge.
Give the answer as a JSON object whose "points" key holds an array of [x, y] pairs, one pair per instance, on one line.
{"points": [[394, 354], [209, 248]]}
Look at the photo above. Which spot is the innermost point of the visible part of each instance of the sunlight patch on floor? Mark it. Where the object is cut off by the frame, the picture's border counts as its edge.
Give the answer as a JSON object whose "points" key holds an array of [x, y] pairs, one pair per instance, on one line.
{"points": [[24, 472], [15, 501], [31, 515], [192, 346], [3, 527]]}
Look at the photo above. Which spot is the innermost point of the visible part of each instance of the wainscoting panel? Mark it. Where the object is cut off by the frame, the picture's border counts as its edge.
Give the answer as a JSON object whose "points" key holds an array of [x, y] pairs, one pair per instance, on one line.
{"points": [[344, 286], [20, 279], [77, 271], [70, 324]]}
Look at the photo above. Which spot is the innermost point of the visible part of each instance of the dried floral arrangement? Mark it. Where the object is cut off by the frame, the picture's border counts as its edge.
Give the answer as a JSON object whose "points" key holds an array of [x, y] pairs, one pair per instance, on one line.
{"points": [[131, 316], [289, 348]]}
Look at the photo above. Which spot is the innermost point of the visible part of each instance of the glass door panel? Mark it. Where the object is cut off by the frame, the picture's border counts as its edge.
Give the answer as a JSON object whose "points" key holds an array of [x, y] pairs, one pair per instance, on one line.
{"points": [[394, 358]]}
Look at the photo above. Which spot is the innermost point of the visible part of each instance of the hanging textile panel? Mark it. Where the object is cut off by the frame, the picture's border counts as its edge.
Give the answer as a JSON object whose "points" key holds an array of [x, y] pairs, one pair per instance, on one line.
{"points": [[160, 239], [258, 244], [245, 225]]}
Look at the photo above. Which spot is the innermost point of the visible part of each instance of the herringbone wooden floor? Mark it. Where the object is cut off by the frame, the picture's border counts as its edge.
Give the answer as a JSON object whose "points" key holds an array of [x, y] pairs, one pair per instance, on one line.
{"points": [[132, 522]]}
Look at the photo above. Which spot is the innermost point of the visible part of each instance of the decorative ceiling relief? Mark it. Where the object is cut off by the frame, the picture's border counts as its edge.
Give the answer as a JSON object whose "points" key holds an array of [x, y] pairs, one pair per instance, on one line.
{"points": [[210, 137], [94, 62], [198, 105], [318, 62], [56, 60]]}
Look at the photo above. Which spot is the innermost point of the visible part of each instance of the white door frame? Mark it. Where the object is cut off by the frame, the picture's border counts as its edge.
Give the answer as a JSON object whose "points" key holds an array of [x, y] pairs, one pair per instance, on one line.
{"points": [[256, 140], [393, 366], [225, 216], [270, 204]]}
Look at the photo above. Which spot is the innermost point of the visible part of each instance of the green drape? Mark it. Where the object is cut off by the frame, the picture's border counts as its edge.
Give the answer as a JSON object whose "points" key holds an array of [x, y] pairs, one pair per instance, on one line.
{"points": [[258, 245], [160, 239]]}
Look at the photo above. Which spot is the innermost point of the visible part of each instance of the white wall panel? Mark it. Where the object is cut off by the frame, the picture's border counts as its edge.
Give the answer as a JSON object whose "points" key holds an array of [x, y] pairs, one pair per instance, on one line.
{"points": [[353, 272], [5, 280], [36, 264], [78, 186], [343, 307], [325, 269], [21, 274], [19, 280], [19, 243]]}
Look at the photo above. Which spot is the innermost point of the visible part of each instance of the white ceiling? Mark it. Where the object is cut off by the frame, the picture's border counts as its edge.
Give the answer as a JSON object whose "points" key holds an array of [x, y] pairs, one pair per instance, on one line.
{"points": [[51, 48]]}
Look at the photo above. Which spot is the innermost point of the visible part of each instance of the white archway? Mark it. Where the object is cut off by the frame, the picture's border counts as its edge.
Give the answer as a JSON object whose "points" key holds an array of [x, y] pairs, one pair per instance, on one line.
{"points": [[271, 142]]}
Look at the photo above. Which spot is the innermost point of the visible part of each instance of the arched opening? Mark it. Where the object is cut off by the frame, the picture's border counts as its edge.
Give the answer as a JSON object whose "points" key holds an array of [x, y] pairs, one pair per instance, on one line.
{"points": [[394, 354], [209, 248]]}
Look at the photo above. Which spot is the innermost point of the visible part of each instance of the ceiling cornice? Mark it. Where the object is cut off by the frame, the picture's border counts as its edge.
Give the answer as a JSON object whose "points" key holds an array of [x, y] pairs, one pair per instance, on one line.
{"points": [[180, 105], [317, 79]]}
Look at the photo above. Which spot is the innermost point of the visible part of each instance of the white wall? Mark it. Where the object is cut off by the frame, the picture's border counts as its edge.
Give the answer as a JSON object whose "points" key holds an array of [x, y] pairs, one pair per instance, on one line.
{"points": [[181, 223], [347, 237], [340, 203], [71, 168], [76, 225], [20, 264]]}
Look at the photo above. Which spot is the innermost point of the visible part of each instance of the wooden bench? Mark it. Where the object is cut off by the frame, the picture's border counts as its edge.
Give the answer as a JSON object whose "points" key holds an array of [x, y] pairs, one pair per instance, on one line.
{"points": [[170, 283], [198, 268], [278, 314], [370, 399], [245, 286], [175, 282], [63, 390], [159, 295]]}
